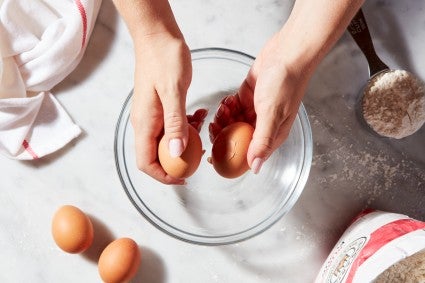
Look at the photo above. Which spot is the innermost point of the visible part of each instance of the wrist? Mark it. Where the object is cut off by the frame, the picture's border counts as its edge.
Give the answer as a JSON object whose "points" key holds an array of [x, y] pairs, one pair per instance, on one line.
{"points": [[145, 18], [299, 55], [159, 28], [152, 43]]}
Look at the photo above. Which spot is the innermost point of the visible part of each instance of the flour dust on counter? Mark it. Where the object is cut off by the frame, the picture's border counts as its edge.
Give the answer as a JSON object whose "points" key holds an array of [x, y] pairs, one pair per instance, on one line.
{"points": [[371, 170]]}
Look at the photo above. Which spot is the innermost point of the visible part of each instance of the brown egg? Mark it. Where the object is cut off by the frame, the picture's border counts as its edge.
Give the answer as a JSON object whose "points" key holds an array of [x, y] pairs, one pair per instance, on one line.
{"points": [[186, 164], [119, 261], [230, 149], [72, 230]]}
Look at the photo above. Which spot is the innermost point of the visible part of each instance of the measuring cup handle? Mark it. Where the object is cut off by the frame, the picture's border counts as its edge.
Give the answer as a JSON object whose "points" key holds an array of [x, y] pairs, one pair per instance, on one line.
{"points": [[360, 32]]}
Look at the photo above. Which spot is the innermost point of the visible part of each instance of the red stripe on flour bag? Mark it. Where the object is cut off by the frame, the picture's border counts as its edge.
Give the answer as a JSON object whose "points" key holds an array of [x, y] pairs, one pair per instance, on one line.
{"points": [[381, 237], [28, 148], [83, 19], [362, 214]]}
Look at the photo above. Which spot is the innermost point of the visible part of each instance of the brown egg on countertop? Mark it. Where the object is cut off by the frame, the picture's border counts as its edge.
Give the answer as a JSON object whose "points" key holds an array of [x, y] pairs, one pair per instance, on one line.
{"points": [[119, 261], [186, 164], [230, 149], [72, 229]]}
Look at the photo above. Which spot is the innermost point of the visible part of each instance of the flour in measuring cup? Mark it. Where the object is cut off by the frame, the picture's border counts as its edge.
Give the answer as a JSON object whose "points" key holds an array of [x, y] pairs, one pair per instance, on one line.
{"points": [[393, 104]]}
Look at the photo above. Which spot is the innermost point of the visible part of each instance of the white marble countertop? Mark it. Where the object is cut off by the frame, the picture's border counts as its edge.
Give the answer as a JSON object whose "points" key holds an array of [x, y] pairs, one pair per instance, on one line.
{"points": [[351, 170]]}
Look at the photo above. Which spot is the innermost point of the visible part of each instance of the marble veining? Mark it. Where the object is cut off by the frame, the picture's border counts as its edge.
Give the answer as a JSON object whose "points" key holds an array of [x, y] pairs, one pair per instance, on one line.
{"points": [[352, 168]]}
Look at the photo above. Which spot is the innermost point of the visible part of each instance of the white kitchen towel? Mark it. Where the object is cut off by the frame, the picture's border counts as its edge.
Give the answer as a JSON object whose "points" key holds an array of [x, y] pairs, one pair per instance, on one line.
{"points": [[41, 42]]}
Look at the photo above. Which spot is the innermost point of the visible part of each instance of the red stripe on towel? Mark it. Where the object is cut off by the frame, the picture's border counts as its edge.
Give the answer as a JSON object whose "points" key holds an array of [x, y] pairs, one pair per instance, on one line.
{"points": [[83, 19], [28, 148]]}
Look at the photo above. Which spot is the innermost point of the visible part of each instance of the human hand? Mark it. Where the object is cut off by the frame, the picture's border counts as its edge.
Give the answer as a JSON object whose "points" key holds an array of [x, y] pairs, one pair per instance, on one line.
{"points": [[268, 99], [162, 76]]}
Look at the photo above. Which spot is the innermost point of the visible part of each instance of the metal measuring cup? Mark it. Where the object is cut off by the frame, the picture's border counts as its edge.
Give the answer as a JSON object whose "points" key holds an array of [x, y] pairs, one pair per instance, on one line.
{"points": [[359, 31]]}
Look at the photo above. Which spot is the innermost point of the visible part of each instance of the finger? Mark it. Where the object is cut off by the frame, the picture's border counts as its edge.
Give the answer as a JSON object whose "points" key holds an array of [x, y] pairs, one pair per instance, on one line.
{"points": [[269, 121], [223, 115], [245, 97], [197, 119], [155, 171], [200, 114], [246, 94], [147, 162], [281, 135], [214, 129], [232, 102], [284, 130], [175, 121], [197, 125], [147, 130], [236, 110]]}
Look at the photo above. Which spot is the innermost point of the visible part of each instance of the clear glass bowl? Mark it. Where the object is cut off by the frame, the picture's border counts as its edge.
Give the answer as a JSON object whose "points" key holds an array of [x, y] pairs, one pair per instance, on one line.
{"points": [[210, 209]]}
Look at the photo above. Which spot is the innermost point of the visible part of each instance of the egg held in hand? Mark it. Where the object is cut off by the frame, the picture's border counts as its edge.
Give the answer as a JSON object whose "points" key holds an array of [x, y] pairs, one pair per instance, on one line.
{"points": [[230, 149], [119, 261], [72, 229], [185, 165]]}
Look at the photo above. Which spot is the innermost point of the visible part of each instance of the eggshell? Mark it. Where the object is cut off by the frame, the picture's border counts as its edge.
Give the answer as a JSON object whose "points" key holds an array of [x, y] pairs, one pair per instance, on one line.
{"points": [[72, 230], [230, 149], [186, 164], [119, 261]]}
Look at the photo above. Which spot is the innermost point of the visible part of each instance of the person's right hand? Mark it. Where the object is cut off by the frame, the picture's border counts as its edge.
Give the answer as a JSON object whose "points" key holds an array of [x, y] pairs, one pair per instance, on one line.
{"points": [[268, 99], [162, 76]]}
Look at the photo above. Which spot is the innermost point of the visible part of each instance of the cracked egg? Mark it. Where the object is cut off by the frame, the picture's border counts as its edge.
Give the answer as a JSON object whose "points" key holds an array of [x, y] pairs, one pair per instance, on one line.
{"points": [[230, 149]]}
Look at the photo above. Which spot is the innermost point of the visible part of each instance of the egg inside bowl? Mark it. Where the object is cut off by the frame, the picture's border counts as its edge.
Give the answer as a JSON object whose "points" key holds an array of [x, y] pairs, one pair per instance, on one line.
{"points": [[211, 209]]}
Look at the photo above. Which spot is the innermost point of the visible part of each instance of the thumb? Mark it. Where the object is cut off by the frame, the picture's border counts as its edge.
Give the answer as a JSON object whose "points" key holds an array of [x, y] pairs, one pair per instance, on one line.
{"points": [[175, 123], [263, 140]]}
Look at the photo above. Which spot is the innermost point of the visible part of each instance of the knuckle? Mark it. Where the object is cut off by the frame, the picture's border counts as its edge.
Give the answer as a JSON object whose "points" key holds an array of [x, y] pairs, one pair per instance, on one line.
{"points": [[264, 145], [175, 86], [135, 117], [277, 111], [166, 181], [145, 168], [174, 123], [280, 113], [170, 90], [141, 165], [283, 134]]}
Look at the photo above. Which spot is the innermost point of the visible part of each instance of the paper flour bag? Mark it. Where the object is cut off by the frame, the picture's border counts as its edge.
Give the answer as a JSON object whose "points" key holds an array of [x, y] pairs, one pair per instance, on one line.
{"points": [[372, 246]]}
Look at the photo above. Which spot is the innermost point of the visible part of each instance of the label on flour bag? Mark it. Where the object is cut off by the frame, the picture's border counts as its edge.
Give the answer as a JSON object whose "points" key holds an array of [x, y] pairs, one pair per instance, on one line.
{"points": [[372, 243]]}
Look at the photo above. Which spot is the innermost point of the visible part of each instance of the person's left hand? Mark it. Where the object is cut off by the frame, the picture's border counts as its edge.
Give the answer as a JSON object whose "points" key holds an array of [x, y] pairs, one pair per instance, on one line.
{"points": [[268, 99], [162, 76]]}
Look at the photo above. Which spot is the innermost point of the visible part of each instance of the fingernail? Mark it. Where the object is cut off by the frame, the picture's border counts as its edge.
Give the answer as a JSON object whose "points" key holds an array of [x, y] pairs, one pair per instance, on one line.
{"points": [[175, 146], [220, 111], [256, 165], [229, 100], [199, 128], [200, 114]]}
